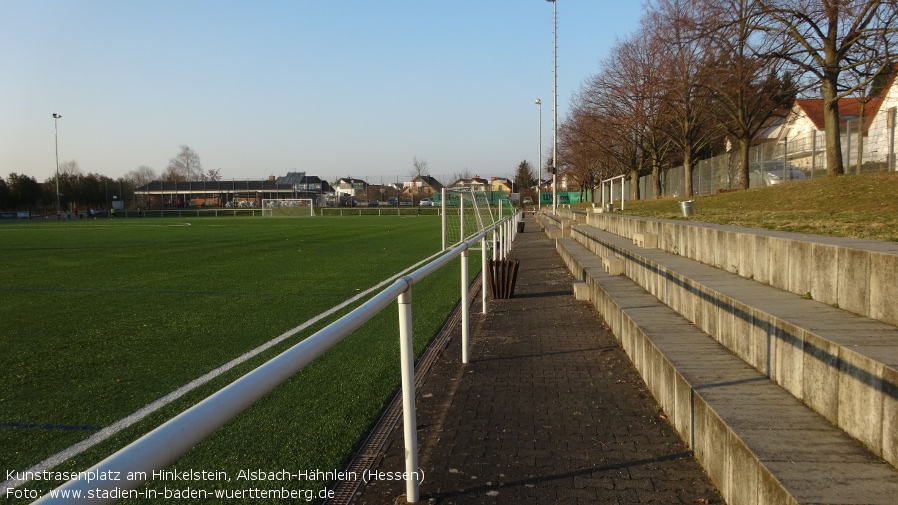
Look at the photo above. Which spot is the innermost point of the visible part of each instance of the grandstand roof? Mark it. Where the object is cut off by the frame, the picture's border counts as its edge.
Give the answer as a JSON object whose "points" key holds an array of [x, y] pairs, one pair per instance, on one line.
{"points": [[212, 187]]}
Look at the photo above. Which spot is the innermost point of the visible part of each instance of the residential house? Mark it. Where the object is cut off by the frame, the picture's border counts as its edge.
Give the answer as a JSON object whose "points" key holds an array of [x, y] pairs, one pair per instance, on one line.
{"points": [[347, 187], [564, 181], [304, 184], [880, 142], [501, 184], [423, 186], [475, 183], [804, 138]]}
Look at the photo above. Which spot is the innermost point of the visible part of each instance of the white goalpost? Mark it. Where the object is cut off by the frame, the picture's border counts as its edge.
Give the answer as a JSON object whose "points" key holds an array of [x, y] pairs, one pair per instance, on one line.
{"points": [[288, 207], [464, 214]]}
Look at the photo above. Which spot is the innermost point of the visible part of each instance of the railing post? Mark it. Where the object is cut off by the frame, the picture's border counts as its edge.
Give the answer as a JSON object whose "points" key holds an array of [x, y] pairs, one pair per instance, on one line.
{"points": [[503, 234], [464, 306], [506, 242], [409, 418], [514, 226], [485, 272]]}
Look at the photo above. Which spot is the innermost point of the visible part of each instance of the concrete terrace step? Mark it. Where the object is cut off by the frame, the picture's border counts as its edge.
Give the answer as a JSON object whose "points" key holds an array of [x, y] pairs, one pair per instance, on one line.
{"points": [[758, 443], [844, 366], [858, 275], [552, 227]]}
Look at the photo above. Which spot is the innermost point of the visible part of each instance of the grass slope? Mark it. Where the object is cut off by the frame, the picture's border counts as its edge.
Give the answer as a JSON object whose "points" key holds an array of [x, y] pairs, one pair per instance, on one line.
{"points": [[860, 206]]}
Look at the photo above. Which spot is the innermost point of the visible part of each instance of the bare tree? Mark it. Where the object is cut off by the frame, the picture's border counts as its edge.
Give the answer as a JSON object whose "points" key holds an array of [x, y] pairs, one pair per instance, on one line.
{"points": [[463, 175], [604, 121], [629, 97], [823, 39], [748, 90], [141, 176], [691, 127], [69, 168], [213, 174], [582, 149], [419, 168], [185, 166], [871, 78]]}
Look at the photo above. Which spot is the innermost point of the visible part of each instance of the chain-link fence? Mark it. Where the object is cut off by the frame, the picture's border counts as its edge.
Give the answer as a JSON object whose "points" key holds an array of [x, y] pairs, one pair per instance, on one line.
{"points": [[806, 155]]}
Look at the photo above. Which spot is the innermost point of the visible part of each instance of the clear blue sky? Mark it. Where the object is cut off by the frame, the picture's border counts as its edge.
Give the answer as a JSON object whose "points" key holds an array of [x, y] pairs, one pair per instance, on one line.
{"points": [[333, 88]]}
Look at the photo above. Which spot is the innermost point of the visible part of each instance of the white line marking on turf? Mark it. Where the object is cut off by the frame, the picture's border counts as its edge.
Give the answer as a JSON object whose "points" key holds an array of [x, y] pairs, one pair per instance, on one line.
{"points": [[112, 429]]}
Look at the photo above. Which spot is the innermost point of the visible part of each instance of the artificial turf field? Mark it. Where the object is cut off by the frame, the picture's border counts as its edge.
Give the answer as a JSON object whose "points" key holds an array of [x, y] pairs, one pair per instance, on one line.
{"points": [[98, 318]]}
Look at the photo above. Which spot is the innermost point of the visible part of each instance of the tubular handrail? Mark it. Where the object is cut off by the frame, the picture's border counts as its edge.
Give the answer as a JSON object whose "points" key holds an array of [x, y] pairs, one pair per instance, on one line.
{"points": [[610, 182], [163, 445]]}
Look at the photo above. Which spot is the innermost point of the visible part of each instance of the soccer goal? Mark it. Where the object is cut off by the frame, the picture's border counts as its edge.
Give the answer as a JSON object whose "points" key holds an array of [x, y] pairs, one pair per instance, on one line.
{"points": [[465, 213], [288, 207]]}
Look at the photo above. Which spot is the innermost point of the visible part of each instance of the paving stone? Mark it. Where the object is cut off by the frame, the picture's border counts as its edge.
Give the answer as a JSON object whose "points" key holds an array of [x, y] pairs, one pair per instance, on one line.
{"points": [[548, 410]]}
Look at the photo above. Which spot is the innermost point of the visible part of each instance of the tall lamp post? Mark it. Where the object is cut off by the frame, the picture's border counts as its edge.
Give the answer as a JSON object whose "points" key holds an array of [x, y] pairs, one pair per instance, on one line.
{"points": [[56, 135], [539, 159], [554, 166]]}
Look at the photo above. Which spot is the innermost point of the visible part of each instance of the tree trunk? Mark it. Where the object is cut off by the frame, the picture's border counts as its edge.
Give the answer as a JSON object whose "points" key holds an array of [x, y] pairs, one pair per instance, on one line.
{"points": [[744, 146], [687, 173], [834, 165], [656, 178], [634, 184], [860, 135]]}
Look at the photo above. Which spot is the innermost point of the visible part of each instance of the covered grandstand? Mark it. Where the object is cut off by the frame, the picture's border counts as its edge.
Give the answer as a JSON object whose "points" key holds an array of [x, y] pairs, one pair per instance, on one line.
{"points": [[187, 194]]}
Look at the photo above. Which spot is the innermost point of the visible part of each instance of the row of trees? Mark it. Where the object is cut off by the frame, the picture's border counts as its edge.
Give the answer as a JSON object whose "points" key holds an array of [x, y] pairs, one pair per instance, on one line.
{"points": [[699, 75], [79, 191]]}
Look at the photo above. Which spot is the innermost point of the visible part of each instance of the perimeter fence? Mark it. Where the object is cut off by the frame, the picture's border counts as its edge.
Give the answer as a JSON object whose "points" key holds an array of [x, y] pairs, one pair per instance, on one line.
{"points": [[805, 152]]}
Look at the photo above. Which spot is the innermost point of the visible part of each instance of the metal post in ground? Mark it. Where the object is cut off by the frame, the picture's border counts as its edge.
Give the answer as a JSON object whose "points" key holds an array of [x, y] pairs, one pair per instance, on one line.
{"points": [[509, 232], [443, 217], [409, 421], [464, 306], [501, 231], [484, 272], [508, 236]]}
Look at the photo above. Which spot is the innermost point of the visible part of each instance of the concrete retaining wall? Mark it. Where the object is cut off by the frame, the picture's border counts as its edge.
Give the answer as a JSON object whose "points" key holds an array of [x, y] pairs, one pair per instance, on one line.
{"points": [[856, 275]]}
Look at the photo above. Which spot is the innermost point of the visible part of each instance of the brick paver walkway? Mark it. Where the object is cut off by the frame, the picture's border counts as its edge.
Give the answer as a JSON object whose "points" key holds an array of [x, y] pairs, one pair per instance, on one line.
{"points": [[549, 409]]}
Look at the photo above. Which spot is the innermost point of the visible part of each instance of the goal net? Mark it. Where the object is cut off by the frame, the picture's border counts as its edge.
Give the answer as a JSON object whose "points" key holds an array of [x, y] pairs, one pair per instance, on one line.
{"points": [[288, 207], [466, 213]]}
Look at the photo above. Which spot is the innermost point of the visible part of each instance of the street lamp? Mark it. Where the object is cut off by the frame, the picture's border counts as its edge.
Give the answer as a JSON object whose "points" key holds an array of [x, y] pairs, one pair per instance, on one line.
{"points": [[56, 134], [539, 159], [554, 107]]}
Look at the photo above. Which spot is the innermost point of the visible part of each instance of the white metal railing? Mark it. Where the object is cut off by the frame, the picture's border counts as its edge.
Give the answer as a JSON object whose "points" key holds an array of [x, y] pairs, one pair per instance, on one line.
{"points": [[610, 182], [162, 446]]}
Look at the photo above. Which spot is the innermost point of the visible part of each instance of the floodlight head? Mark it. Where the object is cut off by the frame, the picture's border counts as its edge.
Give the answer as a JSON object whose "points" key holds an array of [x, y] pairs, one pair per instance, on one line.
{"points": [[56, 116], [537, 101]]}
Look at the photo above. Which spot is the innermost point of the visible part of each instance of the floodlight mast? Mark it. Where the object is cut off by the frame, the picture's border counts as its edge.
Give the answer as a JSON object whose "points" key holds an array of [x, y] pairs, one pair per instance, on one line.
{"points": [[554, 107], [56, 118], [539, 159]]}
